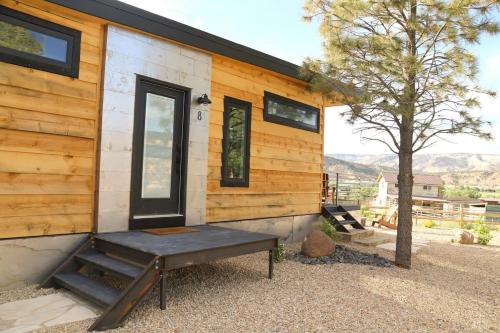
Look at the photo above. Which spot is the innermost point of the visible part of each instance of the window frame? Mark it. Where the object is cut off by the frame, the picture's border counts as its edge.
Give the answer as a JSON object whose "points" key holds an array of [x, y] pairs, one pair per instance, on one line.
{"points": [[289, 122], [247, 106], [72, 37]]}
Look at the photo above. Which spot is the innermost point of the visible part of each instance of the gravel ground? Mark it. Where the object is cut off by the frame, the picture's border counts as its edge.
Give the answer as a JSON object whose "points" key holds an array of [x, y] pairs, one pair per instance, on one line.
{"points": [[451, 288]]}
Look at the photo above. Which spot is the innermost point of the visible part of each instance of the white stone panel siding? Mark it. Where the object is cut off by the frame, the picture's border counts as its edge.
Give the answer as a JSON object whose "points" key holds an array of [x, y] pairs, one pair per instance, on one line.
{"points": [[127, 54]]}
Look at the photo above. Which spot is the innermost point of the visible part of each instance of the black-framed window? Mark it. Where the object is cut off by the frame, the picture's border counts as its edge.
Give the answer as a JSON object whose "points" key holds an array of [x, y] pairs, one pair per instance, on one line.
{"points": [[236, 142], [29, 41], [285, 111]]}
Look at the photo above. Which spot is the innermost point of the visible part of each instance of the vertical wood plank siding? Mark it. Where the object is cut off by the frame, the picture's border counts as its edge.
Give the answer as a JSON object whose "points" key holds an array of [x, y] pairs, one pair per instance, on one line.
{"points": [[48, 132], [285, 162]]}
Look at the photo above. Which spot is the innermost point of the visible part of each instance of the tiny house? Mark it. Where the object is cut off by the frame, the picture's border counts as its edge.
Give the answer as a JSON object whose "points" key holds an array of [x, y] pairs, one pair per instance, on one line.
{"points": [[113, 118]]}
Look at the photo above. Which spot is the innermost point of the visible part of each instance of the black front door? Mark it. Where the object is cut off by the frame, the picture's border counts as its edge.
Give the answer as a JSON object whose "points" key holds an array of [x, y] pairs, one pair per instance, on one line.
{"points": [[158, 155]]}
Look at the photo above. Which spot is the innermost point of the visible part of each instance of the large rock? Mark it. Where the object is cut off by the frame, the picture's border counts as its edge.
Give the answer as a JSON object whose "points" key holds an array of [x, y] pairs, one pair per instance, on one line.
{"points": [[317, 244], [465, 237]]}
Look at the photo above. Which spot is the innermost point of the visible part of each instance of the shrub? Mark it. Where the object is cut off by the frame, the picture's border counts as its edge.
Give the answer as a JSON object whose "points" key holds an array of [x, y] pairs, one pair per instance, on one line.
{"points": [[279, 254], [366, 212], [469, 226], [328, 229], [483, 232], [429, 224]]}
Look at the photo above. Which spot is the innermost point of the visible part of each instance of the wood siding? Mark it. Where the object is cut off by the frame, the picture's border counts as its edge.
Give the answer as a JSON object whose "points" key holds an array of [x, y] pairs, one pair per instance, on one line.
{"points": [[48, 133], [285, 163], [49, 137]]}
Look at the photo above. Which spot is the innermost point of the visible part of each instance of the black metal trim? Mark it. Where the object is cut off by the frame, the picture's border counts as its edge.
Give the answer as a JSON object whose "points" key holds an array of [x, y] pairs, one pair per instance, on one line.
{"points": [[68, 68], [199, 257], [156, 222], [134, 17], [289, 122], [247, 106]]}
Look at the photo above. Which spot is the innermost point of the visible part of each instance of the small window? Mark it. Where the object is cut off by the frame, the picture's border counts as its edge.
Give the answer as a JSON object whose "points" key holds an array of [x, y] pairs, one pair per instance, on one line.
{"points": [[427, 187], [284, 111], [35, 43], [396, 185], [236, 142]]}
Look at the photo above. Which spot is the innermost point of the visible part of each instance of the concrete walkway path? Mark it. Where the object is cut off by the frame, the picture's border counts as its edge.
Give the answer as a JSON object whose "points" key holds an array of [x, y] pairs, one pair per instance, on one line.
{"points": [[44, 311], [416, 245]]}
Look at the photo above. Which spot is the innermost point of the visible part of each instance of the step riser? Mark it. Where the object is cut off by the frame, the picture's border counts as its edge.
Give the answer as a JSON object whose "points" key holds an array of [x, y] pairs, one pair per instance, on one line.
{"points": [[82, 295], [99, 268], [348, 237], [128, 254], [91, 290], [126, 271], [371, 242]]}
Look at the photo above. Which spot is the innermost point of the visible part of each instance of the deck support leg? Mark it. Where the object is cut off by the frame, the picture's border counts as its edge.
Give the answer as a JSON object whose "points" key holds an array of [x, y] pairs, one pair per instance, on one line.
{"points": [[163, 291], [271, 264]]}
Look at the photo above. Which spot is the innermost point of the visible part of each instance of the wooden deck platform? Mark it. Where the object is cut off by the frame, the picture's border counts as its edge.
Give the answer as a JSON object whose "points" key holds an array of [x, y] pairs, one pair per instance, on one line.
{"points": [[203, 238], [141, 259]]}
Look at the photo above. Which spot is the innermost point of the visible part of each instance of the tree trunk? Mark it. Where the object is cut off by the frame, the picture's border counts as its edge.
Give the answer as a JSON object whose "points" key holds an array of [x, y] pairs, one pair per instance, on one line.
{"points": [[405, 176], [405, 193]]}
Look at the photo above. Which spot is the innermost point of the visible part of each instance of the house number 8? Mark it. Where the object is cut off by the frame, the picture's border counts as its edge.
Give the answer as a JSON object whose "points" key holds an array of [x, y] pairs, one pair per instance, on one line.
{"points": [[199, 115]]}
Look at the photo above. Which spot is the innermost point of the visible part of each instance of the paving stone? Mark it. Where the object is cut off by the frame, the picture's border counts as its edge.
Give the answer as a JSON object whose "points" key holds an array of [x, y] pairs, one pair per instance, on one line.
{"points": [[42, 312], [392, 247]]}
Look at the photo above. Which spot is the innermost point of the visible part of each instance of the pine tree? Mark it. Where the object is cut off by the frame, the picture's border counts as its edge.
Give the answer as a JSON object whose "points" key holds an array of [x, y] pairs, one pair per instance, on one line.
{"points": [[406, 72]]}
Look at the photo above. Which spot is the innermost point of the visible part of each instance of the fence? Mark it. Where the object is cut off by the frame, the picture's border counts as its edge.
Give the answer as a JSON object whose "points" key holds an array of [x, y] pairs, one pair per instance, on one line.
{"points": [[460, 216], [346, 189]]}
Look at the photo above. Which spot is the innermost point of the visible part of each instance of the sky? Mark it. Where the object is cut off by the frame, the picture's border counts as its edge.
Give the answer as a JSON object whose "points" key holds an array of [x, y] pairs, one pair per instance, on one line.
{"points": [[276, 28]]}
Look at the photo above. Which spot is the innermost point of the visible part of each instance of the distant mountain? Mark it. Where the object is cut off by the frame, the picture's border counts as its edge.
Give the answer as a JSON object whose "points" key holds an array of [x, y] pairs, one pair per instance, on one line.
{"points": [[431, 163], [351, 171], [481, 170]]}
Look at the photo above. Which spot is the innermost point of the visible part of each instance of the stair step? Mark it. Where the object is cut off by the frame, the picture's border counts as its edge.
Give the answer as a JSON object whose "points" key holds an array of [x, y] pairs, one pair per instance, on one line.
{"points": [[338, 213], [109, 264], [347, 222], [92, 290]]}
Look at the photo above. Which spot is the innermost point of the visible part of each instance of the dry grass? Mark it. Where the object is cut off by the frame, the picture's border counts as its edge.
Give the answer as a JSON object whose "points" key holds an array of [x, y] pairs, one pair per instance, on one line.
{"points": [[451, 288]]}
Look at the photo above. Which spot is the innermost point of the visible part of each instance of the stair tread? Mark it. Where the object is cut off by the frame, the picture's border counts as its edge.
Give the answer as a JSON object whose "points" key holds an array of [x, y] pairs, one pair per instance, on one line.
{"points": [[110, 264], [337, 213], [91, 289], [345, 222]]}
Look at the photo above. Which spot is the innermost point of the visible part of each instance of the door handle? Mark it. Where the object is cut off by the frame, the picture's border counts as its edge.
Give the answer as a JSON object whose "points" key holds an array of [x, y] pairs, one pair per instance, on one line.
{"points": [[178, 158]]}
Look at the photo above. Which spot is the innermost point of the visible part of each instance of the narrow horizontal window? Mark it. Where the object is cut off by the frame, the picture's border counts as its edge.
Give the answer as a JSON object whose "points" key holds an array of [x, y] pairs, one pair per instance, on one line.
{"points": [[236, 142], [285, 111], [28, 41]]}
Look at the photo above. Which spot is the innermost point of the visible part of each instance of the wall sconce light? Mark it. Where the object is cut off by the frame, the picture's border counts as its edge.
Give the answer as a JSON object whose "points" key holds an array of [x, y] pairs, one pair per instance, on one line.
{"points": [[203, 99]]}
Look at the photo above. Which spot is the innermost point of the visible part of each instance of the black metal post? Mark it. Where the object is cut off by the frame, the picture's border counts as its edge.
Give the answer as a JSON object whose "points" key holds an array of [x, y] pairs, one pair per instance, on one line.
{"points": [[271, 264], [163, 291], [337, 190]]}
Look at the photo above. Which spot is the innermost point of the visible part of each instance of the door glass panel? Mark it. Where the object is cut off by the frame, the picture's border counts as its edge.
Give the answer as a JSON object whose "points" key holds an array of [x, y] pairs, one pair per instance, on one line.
{"points": [[158, 144]]}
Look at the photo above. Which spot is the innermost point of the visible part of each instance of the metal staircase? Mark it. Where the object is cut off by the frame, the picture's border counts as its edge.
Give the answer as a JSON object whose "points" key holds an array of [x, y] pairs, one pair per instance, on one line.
{"points": [[340, 217], [83, 272]]}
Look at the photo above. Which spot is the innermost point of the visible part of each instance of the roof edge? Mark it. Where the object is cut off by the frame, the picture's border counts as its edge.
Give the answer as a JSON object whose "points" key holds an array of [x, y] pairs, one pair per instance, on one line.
{"points": [[128, 15]]}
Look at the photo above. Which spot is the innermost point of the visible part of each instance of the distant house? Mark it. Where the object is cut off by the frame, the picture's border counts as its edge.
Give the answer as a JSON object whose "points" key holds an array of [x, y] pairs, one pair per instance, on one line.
{"points": [[427, 190], [492, 207]]}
